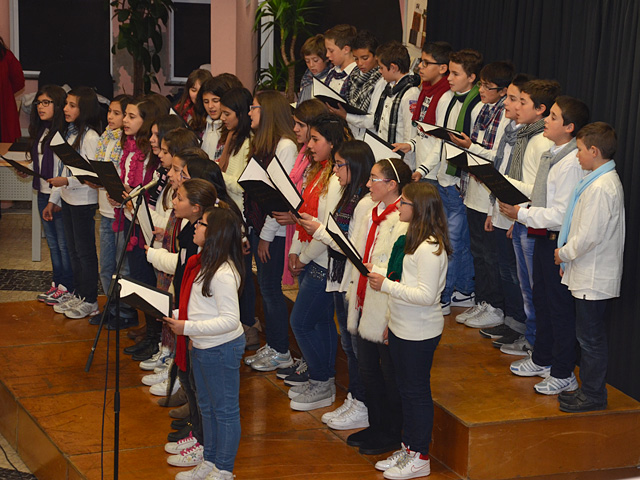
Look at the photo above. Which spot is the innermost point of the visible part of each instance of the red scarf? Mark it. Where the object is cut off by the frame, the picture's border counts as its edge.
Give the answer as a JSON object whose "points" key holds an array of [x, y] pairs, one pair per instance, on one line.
{"points": [[191, 271], [311, 200], [435, 92], [371, 239]]}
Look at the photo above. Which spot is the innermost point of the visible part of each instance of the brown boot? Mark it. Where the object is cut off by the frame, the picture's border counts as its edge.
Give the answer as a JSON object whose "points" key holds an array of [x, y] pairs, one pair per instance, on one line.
{"points": [[177, 399], [180, 412], [252, 336]]}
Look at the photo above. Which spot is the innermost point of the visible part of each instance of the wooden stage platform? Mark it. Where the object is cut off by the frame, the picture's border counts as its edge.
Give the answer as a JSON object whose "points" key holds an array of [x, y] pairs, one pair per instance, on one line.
{"points": [[489, 424]]}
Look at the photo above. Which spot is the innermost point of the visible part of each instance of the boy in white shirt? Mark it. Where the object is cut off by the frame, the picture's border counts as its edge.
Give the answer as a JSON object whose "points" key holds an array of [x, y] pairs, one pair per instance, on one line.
{"points": [[338, 41], [554, 351], [394, 111], [591, 244]]}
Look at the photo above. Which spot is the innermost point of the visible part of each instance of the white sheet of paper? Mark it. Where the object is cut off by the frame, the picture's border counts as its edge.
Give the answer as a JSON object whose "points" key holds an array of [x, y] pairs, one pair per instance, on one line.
{"points": [[282, 182], [319, 88], [159, 300], [380, 150], [254, 171]]}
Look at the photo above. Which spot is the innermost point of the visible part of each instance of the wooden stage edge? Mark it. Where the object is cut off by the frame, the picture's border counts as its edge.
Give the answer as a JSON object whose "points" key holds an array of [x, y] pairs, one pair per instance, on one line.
{"points": [[489, 424]]}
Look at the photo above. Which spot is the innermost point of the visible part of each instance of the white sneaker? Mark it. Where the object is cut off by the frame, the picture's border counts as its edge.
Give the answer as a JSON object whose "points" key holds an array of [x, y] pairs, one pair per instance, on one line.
{"points": [[155, 378], [491, 317], [82, 310], [69, 301], [176, 447], [390, 461], [527, 368], [317, 395], [161, 389], [446, 308], [461, 300], [553, 386], [199, 473], [519, 347], [263, 350], [412, 465], [338, 411], [189, 457], [356, 417], [471, 312], [272, 361], [165, 365], [220, 475], [297, 390], [43, 296], [58, 296], [156, 360]]}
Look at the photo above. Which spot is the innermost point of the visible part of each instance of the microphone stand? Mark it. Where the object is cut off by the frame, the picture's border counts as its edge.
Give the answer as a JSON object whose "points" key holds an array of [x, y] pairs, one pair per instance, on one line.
{"points": [[113, 297]]}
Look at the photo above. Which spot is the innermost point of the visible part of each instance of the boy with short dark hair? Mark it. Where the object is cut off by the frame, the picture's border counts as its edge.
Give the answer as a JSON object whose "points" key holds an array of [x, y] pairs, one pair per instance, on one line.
{"points": [[591, 247], [338, 41], [314, 53], [394, 111], [365, 85], [554, 350]]}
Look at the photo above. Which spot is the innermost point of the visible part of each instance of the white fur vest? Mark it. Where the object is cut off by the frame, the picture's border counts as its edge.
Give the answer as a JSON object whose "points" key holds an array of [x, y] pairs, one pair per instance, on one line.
{"points": [[373, 321]]}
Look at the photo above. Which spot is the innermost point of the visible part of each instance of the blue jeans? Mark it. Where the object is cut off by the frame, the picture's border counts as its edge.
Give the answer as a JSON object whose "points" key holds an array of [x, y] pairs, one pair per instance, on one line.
{"points": [[80, 230], [276, 314], [523, 248], [508, 268], [216, 372], [349, 346], [591, 330], [412, 362], [54, 232], [312, 323], [108, 257], [460, 273], [485, 259]]}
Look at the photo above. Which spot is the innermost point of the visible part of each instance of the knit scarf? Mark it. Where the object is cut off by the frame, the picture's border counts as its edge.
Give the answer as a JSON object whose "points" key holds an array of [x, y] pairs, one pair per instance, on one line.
{"points": [[371, 238], [548, 160], [463, 123], [514, 168], [107, 137], [311, 200], [432, 93], [361, 87], [296, 176], [488, 121], [44, 167], [163, 178], [343, 216], [394, 267], [397, 92], [334, 74], [307, 78], [580, 188], [191, 272], [509, 137], [186, 110]]}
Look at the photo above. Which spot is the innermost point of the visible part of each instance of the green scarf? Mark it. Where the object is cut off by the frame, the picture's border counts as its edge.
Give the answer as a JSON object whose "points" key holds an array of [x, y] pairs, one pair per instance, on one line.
{"points": [[463, 124], [394, 267]]}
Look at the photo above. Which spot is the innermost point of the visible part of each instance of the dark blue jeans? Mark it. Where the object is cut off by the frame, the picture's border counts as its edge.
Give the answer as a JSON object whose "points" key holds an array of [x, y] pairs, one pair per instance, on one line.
{"points": [[485, 259], [276, 315], [555, 313], [591, 330], [508, 268], [216, 371], [412, 362], [80, 230], [312, 323], [54, 232], [349, 346], [248, 296], [523, 246]]}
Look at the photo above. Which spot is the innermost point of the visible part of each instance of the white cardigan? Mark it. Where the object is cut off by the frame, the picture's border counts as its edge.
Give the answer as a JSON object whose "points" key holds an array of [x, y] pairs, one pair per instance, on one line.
{"points": [[237, 163], [414, 303], [373, 321]]}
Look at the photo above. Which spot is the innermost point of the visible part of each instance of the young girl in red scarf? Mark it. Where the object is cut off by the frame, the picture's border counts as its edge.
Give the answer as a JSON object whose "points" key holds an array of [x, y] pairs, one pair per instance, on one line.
{"points": [[185, 106], [312, 315], [209, 314]]}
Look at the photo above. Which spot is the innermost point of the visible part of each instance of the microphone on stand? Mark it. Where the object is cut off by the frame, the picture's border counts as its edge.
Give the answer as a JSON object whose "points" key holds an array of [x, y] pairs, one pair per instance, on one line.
{"points": [[141, 189]]}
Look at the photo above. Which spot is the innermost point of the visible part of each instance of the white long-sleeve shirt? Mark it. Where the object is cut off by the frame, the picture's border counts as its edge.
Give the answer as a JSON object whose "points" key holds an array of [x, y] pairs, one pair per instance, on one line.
{"points": [[215, 320], [423, 144], [595, 246], [76, 192], [562, 179], [414, 302]]}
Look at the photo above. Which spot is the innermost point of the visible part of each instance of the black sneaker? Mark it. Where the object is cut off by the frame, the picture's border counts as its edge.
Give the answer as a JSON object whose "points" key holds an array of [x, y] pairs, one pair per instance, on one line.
{"points": [[299, 377], [496, 332], [507, 339], [283, 373]]}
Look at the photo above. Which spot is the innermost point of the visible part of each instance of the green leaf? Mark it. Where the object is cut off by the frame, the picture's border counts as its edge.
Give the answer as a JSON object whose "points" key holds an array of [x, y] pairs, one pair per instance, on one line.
{"points": [[155, 60], [123, 15]]}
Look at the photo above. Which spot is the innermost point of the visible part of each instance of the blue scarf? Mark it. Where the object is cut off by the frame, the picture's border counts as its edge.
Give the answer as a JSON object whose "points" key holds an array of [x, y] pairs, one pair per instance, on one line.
{"points": [[580, 187]]}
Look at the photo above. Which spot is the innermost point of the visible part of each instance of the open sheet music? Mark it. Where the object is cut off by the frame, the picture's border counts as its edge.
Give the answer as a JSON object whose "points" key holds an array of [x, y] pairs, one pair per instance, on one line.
{"points": [[381, 148], [109, 179], [436, 131], [484, 171], [272, 188], [328, 95], [345, 245], [150, 300], [77, 165], [22, 168]]}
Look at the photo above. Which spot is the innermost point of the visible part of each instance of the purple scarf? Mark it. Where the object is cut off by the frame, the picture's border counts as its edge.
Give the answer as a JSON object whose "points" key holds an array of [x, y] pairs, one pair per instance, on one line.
{"points": [[47, 157]]}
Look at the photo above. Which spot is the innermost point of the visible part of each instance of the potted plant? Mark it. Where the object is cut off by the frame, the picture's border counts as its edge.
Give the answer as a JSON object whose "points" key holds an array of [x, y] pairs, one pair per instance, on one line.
{"points": [[141, 35]]}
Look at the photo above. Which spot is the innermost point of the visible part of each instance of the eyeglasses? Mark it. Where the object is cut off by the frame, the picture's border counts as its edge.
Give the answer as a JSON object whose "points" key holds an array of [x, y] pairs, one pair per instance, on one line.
{"points": [[44, 103], [338, 166], [253, 107], [402, 202], [426, 63], [374, 180], [184, 176], [200, 222], [487, 87]]}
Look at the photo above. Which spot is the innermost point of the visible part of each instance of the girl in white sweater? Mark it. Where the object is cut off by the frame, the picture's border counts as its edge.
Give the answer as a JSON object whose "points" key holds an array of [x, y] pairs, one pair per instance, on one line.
{"points": [[416, 275]]}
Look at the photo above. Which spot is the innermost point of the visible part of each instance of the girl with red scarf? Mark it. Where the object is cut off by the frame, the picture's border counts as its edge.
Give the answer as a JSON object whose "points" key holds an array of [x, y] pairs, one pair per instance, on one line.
{"points": [[186, 105]]}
